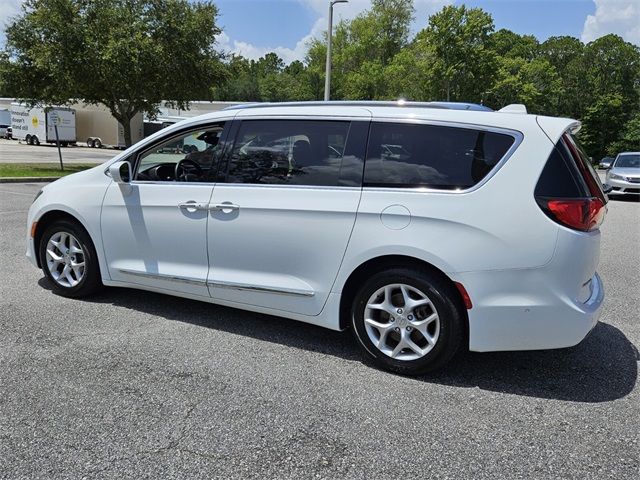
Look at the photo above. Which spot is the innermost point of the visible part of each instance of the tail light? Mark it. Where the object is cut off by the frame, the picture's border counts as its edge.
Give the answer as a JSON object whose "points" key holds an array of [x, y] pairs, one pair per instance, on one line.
{"points": [[569, 190], [583, 214]]}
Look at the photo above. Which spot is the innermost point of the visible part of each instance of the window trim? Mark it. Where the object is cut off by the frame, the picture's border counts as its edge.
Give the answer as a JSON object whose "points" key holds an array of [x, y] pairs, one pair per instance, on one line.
{"points": [[517, 135], [134, 158], [228, 150]]}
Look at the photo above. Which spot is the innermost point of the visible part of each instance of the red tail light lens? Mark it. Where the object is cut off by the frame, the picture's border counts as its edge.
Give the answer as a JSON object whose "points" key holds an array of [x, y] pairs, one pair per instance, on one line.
{"points": [[584, 214]]}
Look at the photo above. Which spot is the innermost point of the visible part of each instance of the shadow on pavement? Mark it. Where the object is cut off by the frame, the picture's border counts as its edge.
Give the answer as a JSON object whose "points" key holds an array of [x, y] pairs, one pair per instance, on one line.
{"points": [[602, 368]]}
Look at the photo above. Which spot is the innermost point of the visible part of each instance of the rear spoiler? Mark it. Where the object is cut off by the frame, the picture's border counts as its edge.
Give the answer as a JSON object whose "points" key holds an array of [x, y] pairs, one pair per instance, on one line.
{"points": [[555, 127]]}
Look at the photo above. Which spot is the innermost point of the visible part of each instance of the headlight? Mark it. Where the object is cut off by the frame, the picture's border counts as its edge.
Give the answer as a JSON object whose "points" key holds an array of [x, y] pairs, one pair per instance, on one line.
{"points": [[37, 195], [613, 176]]}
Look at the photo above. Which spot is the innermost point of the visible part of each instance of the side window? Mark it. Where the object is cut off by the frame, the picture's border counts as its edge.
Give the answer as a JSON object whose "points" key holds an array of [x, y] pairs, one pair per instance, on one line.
{"points": [[188, 157], [450, 158], [295, 152]]}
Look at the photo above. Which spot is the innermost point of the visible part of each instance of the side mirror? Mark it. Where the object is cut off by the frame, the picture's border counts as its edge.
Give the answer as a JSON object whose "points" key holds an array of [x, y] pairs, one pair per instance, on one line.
{"points": [[120, 172], [607, 188]]}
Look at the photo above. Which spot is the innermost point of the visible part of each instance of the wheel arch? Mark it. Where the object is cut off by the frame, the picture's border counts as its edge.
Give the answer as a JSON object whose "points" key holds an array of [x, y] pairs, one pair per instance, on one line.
{"points": [[48, 218], [383, 262]]}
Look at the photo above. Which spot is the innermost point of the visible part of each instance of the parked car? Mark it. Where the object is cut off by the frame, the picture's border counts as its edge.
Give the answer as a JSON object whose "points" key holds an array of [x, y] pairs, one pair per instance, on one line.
{"points": [[6, 132], [623, 176], [605, 163], [477, 229]]}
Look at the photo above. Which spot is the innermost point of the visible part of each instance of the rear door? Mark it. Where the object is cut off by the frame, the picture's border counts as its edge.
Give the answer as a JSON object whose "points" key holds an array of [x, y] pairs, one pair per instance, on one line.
{"points": [[281, 221]]}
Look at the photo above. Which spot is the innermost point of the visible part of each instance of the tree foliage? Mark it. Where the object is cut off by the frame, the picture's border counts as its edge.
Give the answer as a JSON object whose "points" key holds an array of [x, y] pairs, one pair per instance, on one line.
{"points": [[125, 54], [129, 54]]}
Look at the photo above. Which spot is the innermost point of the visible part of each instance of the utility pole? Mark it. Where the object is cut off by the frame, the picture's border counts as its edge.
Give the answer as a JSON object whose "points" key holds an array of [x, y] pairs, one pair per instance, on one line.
{"points": [[327, 74]]}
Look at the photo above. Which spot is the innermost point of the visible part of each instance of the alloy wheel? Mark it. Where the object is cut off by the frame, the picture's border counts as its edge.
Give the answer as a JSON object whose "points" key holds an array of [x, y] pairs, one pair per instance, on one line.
{"points": [[65, 259], [401, 322]]}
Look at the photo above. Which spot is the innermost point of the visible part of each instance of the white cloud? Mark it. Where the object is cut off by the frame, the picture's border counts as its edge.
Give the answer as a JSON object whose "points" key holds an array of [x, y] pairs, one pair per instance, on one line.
{"points": [[346, 11], [249, 50], [9, 9], [621, 17]]}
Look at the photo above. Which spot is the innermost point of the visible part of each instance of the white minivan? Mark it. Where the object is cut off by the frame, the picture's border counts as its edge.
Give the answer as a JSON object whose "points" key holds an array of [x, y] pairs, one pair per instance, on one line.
{"points": [[423, 227]]}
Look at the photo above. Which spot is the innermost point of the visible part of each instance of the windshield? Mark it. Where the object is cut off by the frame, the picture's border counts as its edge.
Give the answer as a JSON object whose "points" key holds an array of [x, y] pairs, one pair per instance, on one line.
{"points": [[628, 161]]}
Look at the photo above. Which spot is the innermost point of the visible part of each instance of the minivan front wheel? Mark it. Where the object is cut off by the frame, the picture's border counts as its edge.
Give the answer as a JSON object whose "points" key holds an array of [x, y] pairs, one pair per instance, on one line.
{"points": [[408, 321], [68, 260]]}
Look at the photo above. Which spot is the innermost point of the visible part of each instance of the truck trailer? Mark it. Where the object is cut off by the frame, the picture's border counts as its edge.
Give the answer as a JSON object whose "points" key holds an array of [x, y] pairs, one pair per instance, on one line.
{"points": [[37, 125], [100, 129]]}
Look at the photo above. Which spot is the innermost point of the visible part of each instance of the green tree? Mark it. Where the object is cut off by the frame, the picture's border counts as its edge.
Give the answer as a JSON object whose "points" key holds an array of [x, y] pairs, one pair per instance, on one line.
{"points": [[241, 83], [566, 55], [612, 66], [125, 54], [602, 125], [5, 66], [363, 48], [506, 43], [535, 84], [455, 48], [629, 140]]}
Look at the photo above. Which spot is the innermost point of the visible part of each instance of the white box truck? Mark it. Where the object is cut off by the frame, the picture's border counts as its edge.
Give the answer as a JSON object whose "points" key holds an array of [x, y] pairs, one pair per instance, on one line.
{"points": [[36, 125]]}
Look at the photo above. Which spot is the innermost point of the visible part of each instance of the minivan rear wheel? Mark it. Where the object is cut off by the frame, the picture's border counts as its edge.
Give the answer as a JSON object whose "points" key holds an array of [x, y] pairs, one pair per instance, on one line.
{"points": [[408, 320], [68, 259]]}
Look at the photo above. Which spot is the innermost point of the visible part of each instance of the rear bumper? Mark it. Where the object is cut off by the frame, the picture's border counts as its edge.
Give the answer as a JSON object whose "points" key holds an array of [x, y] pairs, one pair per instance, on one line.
{"points": [[536, 319]]}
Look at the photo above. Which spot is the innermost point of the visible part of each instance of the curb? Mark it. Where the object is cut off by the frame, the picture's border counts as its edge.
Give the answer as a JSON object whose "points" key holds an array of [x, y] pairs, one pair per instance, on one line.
{"points": [[27, 179]]}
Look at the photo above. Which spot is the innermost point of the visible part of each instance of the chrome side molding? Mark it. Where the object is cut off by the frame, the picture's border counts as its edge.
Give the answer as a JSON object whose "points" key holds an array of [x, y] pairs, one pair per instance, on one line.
{"points": [[159, 276], [227, 285], [262, 289]]}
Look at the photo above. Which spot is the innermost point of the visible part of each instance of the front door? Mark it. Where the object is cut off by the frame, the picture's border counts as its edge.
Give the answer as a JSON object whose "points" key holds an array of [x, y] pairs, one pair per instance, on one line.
{"points": [[281, 222], [155, 229]]}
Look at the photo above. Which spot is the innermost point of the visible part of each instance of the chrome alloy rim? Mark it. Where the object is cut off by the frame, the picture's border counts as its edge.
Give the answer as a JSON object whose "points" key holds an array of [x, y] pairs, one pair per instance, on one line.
{"points": [[65, 259], [402, 322]]}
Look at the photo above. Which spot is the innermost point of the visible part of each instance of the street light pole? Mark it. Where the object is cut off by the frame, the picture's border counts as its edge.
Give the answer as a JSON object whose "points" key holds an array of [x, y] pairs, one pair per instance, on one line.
{"points": [[327, 73]]}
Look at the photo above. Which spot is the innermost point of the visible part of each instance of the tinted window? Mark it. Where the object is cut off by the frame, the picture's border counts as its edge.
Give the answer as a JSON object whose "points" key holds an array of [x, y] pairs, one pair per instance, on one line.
{"points": [[433, 156], [296, 152], [559, 177], [188, 157]]}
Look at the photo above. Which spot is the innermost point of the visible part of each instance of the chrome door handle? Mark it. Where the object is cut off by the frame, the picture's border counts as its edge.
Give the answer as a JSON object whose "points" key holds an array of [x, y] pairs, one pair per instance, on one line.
{"points": [[193, 206], [225, 207]]}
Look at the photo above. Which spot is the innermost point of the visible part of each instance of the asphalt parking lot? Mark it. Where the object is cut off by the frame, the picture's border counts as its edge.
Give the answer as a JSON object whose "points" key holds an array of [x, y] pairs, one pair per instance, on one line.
{"points": [[13, 151], [132, 384]]}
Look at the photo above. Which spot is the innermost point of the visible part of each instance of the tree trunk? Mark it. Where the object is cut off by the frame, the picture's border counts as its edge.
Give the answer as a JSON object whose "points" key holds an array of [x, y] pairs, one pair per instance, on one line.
{"points": [[124, 119], [126, 128]]}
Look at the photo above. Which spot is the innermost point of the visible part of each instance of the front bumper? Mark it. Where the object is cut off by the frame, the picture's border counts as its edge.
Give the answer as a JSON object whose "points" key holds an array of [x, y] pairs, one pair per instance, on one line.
{"points": [[622, 187]]}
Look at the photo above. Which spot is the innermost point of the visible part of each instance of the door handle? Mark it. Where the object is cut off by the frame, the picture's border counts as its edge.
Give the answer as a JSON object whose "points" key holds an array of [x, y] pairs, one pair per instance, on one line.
{"points": [[193, 206], [225, 207]]}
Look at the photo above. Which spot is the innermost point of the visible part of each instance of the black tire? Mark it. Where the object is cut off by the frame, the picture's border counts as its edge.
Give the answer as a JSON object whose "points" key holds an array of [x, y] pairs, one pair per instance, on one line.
{"points": [[35, 140], [443, 297], [90, 143], [97, 143], [90, 282], [29, 140]]}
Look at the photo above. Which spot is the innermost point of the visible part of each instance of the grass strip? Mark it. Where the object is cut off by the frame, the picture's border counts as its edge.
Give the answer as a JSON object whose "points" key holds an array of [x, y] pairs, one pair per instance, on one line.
{"points": [[41, 169]]}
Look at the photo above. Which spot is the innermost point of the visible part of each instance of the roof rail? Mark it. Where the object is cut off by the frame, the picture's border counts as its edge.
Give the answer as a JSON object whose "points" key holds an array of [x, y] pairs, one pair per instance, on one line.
{"points": [[514, 108], [366, 103]]}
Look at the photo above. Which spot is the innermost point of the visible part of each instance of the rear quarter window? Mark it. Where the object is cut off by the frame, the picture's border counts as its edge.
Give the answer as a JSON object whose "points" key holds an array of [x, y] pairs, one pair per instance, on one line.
{"points": [[433, 156]]}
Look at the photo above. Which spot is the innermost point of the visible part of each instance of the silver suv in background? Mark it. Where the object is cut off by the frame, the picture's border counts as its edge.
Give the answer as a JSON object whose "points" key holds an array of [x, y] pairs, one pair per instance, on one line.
{"points": [[623, 177]]}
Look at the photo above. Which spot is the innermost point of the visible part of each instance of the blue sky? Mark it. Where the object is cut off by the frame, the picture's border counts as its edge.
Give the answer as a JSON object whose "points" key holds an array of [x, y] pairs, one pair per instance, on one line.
{"points": [[255, 27], [260, 22]]}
